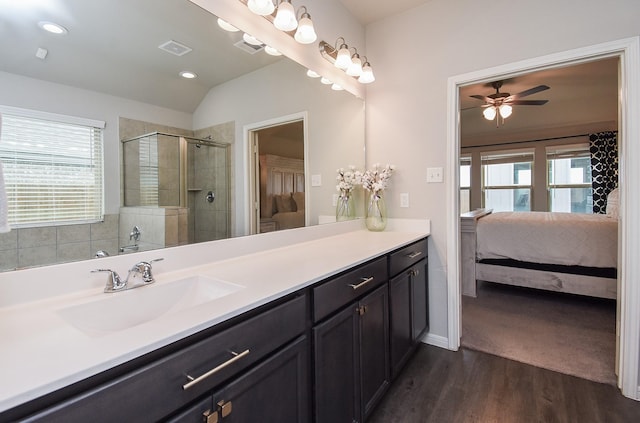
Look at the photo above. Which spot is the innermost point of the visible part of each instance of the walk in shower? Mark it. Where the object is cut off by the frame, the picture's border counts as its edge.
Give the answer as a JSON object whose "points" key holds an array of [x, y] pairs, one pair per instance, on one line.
{"points": [[176, 189]]}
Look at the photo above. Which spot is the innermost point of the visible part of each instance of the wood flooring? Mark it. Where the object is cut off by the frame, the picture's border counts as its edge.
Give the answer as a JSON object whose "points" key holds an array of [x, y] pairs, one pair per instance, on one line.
{"points": [[468, 386]]}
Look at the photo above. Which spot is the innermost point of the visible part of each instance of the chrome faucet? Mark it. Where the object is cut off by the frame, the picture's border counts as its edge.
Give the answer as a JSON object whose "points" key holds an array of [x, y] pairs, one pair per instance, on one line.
{"points": [[140, 271]]}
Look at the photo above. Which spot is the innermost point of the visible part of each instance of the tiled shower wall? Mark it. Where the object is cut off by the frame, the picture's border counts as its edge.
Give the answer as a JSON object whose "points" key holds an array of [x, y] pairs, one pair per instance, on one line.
{"points": [[39, 246]]}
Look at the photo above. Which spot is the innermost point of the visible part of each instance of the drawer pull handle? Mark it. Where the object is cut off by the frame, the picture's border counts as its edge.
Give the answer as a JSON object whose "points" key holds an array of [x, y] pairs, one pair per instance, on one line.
{"points": [[194, 380], [414, 255], [363, 282]]}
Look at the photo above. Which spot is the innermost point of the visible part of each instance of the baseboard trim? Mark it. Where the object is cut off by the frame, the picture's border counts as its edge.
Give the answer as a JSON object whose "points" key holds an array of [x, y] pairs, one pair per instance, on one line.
{"points": [[435, 340]]}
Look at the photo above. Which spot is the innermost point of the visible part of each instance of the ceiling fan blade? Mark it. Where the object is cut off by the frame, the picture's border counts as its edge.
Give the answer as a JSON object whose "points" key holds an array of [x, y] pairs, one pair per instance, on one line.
{"points": [[530, 91], [528, 102], [483, 98]]}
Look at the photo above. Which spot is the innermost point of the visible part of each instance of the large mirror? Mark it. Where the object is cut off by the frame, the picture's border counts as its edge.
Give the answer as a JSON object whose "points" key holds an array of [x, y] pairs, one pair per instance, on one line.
{"points": [[108, 67]]}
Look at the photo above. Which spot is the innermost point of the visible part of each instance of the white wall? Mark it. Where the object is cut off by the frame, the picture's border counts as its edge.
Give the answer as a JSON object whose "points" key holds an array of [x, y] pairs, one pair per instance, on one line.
{"points": [[335, 118], [413, 55], [35, 94]]}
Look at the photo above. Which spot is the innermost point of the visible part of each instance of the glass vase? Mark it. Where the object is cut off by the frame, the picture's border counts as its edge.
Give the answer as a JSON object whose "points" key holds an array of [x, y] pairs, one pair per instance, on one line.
{"points": [[345, 209], [376, 213]]}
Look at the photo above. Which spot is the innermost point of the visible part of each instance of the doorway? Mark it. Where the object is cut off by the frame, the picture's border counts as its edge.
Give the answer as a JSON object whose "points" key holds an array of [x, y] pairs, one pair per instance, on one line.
{"points": [[278, 174], [629, 294]]}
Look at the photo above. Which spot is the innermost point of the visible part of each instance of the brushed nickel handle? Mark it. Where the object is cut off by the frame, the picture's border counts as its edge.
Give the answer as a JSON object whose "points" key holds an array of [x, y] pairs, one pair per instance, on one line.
{"points": [[414, 255], [195, 380], [363, 282]]}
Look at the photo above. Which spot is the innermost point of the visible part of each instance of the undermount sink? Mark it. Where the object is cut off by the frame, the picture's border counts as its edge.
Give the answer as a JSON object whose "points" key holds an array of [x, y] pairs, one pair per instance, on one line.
{"points": [[123, 310]]}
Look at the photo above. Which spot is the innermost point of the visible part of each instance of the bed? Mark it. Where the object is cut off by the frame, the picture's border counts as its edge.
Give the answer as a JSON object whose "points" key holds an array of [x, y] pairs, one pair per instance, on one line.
{"points": [[282, 198], [565, 252]]}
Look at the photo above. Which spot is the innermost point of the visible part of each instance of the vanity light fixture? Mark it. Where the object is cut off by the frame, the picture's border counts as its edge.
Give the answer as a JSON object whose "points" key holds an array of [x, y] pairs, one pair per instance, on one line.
{"points": [[261, 7], [227, 26], [188, 74], [52, 27], [285, 19], [305, 34], [340, 55]]}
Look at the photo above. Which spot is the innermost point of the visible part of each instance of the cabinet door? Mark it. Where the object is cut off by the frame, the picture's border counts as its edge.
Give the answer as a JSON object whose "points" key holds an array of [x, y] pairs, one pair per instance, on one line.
{"points": [[401, 313], [336, 368], [374, 347], [275, 391], [420, 299]]}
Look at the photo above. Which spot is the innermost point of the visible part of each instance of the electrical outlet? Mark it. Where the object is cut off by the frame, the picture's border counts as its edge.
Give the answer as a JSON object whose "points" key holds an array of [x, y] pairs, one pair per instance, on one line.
{"points": [[404, 199], [316, 180], [434, 175], [335, 200]]}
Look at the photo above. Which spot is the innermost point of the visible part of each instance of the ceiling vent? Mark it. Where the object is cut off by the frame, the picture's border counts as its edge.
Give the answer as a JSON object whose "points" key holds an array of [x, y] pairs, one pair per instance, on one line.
{"points": [[175, 47], [249, 48]]}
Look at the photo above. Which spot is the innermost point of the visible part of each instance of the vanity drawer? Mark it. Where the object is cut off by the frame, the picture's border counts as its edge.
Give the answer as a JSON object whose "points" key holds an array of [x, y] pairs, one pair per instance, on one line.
{"points": [[164, 383], [339, 291], [407, 257]]}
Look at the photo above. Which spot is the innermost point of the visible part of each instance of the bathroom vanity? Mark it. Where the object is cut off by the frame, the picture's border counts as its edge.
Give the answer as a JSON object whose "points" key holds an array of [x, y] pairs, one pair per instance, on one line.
{"points": [[309, 331]]}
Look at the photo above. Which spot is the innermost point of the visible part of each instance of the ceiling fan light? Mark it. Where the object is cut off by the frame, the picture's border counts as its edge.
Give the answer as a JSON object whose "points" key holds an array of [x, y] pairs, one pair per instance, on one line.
{"points": [[490, 113], [505, 110], [285, 19], [261, 7], [305, 34], [343, 59]]}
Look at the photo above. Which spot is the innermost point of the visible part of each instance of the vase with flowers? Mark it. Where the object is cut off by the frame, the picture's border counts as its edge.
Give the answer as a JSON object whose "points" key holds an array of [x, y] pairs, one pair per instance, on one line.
{"points": [[347, 180], [375, 181]]}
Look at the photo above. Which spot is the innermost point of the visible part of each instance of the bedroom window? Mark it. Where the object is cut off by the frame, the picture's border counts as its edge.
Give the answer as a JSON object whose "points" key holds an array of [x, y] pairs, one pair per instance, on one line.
{"points": [[506, 180], [53, 168], [569, 178], [465, 184]]}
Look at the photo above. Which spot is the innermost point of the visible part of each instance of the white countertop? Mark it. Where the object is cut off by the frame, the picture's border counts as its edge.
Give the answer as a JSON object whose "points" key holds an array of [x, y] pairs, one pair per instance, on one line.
{"points": [[40, 352]]}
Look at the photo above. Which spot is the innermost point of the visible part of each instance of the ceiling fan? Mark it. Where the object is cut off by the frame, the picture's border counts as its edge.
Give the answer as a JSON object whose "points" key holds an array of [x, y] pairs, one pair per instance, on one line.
{"points": [[501, 103]]}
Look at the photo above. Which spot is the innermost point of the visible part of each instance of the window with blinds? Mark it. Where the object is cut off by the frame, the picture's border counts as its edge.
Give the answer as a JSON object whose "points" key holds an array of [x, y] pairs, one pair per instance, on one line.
{"points": [[569, 178], [465, 184], [53, 168], [507, 179]]}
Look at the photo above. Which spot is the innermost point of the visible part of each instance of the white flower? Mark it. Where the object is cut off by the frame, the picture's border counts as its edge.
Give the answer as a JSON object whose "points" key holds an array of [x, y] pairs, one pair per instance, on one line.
{"points": [[377, 179]]}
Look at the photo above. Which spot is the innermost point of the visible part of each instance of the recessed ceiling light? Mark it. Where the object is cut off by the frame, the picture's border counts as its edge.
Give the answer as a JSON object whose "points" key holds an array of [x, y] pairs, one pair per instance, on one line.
{"points": [[188, 75], [52, 27]]}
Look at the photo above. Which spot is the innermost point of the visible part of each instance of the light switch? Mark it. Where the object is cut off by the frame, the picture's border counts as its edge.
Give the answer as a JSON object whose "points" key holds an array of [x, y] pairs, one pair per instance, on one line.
{"points": [[316, 180], [434, 175], [404, 199]]}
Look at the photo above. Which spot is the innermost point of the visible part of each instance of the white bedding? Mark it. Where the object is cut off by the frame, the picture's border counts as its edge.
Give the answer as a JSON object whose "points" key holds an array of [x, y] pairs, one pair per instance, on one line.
{"points": [[555, 238]]}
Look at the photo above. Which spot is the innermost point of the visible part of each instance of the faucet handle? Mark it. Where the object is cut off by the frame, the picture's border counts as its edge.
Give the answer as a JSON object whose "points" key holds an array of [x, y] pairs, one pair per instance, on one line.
{"points": [[114, 282], [144, 267]]}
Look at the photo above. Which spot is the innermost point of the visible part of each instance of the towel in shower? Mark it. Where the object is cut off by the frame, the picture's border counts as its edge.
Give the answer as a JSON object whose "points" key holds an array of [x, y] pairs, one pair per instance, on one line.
{"points": [[4, 215]]}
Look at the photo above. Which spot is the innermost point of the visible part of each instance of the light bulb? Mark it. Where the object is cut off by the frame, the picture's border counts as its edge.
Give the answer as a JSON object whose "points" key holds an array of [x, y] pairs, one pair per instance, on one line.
{"points": [[355, 68], [285, 19], [367, 74], [250, 39], [489, 113], [505, 110], [272, 51], [227, 26], [305, 34], [343, 59], [261, 7]]}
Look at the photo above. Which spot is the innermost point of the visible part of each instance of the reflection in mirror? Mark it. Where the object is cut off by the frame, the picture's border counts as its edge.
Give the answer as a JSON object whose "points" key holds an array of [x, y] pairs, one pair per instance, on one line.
{"points": [[121, 77]]}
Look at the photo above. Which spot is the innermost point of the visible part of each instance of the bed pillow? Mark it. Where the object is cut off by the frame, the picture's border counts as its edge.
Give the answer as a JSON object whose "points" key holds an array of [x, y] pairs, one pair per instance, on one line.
{"points": [[284, 203], [613, 202], [298, 198]]}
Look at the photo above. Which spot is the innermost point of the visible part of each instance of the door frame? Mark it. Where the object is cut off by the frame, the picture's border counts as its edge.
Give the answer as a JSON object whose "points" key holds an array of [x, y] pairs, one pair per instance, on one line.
{"points": [[628, 52], [251, 186]]}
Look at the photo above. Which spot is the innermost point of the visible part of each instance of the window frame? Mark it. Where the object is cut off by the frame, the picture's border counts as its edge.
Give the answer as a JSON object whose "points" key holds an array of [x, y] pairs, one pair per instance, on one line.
{"points": [[513, 156], [565, 151]]}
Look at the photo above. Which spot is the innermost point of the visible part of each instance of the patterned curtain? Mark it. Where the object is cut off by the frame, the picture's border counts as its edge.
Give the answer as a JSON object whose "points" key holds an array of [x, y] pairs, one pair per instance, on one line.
{"points": [[604, 167]]}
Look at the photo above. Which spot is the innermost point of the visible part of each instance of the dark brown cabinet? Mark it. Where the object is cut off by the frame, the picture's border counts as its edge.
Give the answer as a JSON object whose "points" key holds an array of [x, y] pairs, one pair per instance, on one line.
{"points": [[408, 293], [275, 391], [352, 359]]}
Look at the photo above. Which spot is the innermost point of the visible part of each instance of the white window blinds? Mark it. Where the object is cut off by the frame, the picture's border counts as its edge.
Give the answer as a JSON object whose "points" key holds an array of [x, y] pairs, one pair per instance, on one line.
{"points": [[53, 168]]}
